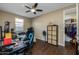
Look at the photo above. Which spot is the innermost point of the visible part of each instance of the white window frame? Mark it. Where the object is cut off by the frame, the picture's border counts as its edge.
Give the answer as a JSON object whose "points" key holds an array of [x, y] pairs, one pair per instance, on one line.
{"points": [[19, 22]]}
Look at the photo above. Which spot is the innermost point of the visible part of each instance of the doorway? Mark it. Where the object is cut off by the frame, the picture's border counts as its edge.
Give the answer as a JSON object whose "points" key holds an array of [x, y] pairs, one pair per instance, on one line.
{"points": [[70, 26]]}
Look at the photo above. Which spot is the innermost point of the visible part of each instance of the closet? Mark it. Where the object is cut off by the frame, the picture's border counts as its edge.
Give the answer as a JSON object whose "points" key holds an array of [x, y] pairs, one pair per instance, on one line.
{"points": [[52, 34], [70, 22]]}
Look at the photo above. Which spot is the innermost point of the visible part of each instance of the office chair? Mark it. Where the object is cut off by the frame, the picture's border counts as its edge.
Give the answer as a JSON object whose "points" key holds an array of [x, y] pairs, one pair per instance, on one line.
{"points": [[29, 38]]}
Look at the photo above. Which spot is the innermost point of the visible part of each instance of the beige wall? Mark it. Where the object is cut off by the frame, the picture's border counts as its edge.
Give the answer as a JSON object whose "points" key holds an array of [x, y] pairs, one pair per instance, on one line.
{"points": [[4, 16], [40, 24], [78, 20]]}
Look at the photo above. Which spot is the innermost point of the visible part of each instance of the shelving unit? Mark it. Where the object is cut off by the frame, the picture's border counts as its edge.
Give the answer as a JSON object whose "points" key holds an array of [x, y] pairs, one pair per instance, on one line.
{"points": [[52, 34]]}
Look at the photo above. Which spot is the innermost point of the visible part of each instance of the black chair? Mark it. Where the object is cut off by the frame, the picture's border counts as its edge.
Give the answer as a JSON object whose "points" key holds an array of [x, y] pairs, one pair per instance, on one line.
{"points": [[29, 40]]}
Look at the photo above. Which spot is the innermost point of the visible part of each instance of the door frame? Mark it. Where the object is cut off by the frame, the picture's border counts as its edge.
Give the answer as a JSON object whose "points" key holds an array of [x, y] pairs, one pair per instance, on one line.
{"points": [[64, 23]]}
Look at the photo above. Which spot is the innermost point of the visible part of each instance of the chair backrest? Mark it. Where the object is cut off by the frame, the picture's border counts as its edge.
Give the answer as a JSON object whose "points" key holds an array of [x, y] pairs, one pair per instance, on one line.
{"points": [[31, 37]]}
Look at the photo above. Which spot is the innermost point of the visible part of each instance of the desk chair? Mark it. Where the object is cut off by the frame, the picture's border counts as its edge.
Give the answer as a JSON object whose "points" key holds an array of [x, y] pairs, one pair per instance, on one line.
{"points": [[29, 38]]}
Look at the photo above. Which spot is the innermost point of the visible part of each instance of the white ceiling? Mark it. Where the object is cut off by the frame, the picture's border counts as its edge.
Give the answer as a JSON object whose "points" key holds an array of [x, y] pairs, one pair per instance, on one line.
{"points": [[19, 8]]}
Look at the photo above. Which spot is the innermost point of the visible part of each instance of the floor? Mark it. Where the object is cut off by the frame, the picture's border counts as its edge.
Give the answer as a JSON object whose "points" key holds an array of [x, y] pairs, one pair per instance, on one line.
{"points": [[48, 49]]}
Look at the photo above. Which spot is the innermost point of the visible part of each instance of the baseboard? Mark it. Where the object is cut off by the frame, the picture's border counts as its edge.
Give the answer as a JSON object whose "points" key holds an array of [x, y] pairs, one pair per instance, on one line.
{"points": [[61, 44]]}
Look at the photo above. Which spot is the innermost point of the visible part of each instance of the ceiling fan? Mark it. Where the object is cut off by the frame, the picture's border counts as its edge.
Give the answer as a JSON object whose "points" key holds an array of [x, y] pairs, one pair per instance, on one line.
{"points": [[33, 9]]}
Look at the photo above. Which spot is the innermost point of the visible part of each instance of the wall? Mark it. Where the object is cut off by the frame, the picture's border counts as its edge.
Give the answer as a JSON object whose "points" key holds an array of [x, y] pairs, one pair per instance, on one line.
{"points": [[78, 21], [5, 16], [40, 24]]}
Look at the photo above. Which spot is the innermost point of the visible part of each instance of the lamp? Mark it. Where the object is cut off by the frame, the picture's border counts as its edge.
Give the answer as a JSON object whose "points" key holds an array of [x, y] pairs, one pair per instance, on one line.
{"points": [[33, 10]]}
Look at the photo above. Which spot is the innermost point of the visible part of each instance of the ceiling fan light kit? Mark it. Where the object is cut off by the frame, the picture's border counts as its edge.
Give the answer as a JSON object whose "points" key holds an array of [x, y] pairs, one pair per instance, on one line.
{"points": [[33, 10]]}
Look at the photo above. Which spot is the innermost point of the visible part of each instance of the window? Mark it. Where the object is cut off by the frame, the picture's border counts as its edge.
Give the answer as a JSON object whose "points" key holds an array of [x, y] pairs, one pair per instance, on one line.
{"points": [[19, 24]]}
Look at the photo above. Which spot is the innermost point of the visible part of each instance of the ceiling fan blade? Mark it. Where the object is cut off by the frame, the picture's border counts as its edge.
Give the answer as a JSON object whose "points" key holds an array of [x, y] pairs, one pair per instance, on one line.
{"points": [[27, 11], [35, 5], [27, 7], [34, 12], [39, 10]]}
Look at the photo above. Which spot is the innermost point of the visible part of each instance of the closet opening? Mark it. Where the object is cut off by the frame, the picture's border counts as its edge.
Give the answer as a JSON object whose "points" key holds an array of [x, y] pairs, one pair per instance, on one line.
{"points": [[70, 21]]}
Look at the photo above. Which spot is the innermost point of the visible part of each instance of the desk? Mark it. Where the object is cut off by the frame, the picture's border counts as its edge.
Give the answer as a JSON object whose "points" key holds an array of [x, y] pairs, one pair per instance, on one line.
{"points": [[16, 49]]}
